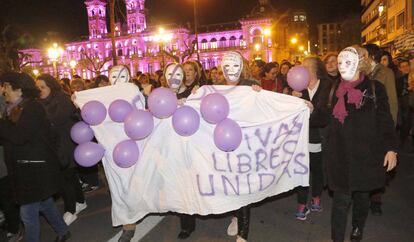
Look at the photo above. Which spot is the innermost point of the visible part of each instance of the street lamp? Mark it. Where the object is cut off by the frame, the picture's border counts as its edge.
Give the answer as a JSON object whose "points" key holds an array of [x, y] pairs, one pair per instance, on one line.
{"points": [[301, 48], [162, 38], [72, 64], [257, 47], [54, 53], [35, 72], [267, 32], [293, 40]]}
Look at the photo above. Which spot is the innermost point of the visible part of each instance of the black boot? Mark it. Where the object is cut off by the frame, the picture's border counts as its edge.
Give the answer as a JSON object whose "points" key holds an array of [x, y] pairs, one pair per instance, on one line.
{"points": [[184, 234], [376, 208], [356, 234], [126, 235], [63, 238]]}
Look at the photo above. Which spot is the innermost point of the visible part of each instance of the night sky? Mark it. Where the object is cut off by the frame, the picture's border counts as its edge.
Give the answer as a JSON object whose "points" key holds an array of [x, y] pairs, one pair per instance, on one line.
{"points": [[68, 17]]}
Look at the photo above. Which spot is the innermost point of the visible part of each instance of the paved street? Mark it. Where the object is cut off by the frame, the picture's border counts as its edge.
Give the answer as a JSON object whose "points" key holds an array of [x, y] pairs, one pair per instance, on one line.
{"points": [[272, 220]]}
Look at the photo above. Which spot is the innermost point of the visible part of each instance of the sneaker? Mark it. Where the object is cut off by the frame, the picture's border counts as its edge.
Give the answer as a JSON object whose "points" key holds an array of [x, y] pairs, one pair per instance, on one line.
{"points": [[376, 208], [126, 235], [240, 239], [232, 230], [302, 212], [64, 237], [89, 188], [316, 205], [80, 207], [69, 217]]}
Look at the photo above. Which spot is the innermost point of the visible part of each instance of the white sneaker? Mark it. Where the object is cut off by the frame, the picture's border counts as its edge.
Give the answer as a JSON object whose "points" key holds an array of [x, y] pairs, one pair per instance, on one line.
{"points": [[69, 218], [240, 239], [233, 228], [80, 207]]}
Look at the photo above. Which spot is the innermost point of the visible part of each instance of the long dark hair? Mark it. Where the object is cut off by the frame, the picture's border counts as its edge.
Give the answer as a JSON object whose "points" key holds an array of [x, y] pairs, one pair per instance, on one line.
{"points": [[267, 68], [21, 81], [51, 82], [391, 64]]}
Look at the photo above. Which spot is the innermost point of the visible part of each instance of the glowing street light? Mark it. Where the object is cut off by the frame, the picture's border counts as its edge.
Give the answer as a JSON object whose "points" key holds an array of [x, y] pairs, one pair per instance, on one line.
{"points": [[54, 53], [381, 9], [35, 72], [162, 37], [72, 64], [301, 48], [293, 40], [257, 47], [267, 32]]}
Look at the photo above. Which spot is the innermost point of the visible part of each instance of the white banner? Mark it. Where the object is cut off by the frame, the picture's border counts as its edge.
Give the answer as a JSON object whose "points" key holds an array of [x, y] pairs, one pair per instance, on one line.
{"points": [[189, 174]]}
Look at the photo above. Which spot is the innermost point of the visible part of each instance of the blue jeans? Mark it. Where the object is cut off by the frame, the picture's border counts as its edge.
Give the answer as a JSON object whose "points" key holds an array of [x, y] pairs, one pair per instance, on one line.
{"points": [[29, 214]]}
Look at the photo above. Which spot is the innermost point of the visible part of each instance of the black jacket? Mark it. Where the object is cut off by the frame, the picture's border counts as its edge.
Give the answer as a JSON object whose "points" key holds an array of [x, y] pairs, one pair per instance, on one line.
{"points": [[318, 118], [62, 115], [354, 151], [32, 164]]}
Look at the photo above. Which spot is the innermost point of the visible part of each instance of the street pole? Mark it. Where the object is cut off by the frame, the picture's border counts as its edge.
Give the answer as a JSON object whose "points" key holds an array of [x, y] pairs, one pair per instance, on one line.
{"points": [[162, 55], [55, 69], [195, 28], [112, 26]]}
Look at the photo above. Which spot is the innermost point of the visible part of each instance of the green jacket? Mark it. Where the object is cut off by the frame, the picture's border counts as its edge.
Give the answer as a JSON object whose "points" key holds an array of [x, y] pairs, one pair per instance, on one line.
{"points": [[386, 76]]}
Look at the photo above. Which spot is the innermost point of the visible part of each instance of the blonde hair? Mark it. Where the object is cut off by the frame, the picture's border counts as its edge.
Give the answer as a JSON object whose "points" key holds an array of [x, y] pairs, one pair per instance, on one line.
{"points": [[364, 65]]}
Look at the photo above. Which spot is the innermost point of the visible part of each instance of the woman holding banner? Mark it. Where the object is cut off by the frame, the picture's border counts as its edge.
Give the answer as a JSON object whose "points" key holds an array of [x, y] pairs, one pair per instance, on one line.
{"points": [[317, 92], [234, 69], [361, 142]]}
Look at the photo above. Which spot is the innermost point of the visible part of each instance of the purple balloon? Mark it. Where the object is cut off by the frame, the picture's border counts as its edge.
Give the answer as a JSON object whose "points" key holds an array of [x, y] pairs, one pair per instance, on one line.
{"points": [[126, 153], [186, 121], [89, 154], [227, 135], [138, 124], [298, 78], [93, 112], [162, 102], [214, 108], [118, 110], [81, 132]]}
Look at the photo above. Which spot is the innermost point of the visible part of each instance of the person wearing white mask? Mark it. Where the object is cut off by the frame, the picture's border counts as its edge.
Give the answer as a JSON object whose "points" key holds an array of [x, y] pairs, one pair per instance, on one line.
{"points": [[361, 142], [119, 74], [234, 70]]}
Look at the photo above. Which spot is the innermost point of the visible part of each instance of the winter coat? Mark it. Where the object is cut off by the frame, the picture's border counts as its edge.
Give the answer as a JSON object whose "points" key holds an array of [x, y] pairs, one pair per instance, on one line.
{"points": [[386, 76], [32, 162], [355, 150], [62, 115], [318, 118]]}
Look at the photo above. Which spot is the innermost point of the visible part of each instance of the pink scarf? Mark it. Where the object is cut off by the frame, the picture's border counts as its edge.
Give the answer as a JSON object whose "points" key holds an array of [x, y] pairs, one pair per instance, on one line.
{"points": [[354, 97]]}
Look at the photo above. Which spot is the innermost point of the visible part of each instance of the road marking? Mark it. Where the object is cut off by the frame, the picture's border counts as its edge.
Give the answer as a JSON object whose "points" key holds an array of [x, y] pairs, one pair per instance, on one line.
{"points": [[142, 228]]}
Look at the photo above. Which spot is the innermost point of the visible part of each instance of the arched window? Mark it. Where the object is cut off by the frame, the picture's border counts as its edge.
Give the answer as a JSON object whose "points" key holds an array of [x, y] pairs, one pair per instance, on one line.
{"points": [[222, 43], [204, 44], [213, 43], [119, 52], [232, 42]]}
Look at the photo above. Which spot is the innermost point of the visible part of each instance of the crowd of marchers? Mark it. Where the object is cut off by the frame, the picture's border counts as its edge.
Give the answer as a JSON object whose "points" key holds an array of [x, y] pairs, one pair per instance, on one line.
{"points": [[362, 115]]}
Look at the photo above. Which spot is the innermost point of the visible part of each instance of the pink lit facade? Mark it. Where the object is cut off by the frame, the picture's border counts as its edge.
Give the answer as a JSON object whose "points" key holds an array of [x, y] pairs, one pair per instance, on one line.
{"points": [[138, 45]]}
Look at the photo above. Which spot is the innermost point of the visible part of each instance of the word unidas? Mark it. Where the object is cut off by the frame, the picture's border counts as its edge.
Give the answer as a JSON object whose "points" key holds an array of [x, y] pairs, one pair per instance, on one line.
{"points": [[267, 157]]}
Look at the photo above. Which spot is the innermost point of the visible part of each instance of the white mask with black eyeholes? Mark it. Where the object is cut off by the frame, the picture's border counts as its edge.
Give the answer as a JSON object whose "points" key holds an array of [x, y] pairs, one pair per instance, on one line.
{"points": [[348, 60], [119, 74], [232, 66], [174, 74]]}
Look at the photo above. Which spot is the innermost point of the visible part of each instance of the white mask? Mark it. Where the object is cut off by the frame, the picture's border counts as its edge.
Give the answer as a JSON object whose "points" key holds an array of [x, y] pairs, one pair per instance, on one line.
{"points": [[119, 74], [174, 74], [232, 66], [348, 61]]}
